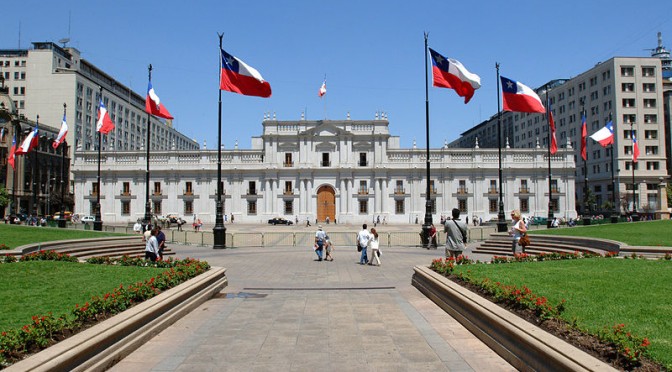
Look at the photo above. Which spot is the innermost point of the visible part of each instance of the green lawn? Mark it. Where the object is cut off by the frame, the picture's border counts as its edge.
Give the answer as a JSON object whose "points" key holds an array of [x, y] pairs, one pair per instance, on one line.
{"points": [[15, 236], [651, 233], [600, 292], [38, 287]]}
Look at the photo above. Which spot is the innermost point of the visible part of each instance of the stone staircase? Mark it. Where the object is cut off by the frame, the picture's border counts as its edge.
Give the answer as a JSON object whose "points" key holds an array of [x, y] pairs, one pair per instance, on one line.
{"points": [[499, 244], [112, 247]]}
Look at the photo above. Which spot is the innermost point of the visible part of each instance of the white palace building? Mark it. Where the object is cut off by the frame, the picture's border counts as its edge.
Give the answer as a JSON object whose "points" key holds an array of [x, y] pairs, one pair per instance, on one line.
{"points": [[351, 171]]}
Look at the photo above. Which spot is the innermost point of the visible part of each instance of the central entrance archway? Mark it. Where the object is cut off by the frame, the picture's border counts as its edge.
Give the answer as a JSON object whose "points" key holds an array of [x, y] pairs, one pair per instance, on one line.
{"points": [[326, 203]]}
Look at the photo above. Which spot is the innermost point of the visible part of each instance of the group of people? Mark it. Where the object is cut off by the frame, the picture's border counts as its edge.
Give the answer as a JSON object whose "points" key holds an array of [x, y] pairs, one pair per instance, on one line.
{"points": [[322, 243], [155, 243], [368, 240]]}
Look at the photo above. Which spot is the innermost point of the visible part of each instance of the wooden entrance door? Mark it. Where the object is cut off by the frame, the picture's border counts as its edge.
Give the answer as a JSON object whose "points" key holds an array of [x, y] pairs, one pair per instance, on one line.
{"points": [[326, 203]]}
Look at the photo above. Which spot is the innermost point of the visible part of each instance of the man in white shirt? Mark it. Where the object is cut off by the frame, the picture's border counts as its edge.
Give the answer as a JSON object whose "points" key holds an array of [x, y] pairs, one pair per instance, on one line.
{"points": [[320, 240], [363, 238]]}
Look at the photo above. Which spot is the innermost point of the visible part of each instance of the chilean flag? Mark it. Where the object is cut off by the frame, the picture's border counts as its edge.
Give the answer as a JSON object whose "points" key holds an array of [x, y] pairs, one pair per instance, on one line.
{"points": [[12, 151], [104, 124], [551, 123], [323, 89], [635, 148], [238, 77], [584, 134], [61, 134], [29, 143], [153, 104], [519, 97], [450, 73], [605, 136]]}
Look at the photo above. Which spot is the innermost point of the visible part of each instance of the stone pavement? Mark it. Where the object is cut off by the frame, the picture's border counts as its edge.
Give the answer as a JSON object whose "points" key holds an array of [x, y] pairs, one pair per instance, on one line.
{"points": [[285, 311]]}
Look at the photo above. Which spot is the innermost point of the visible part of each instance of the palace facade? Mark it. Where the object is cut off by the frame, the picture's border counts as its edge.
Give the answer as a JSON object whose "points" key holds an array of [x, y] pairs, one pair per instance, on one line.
{"points": [[351, 171]]}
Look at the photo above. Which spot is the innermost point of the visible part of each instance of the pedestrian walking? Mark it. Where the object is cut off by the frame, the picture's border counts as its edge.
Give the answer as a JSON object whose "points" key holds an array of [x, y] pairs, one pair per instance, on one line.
{"points": [[363, 238], [375, 247], [517, 230], [456, 235], [320, 239], [152, 246], [329, 247]]}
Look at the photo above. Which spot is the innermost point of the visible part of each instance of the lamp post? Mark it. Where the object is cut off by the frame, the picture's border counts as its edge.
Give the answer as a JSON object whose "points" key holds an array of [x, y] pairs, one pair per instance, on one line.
{"points": [[219, 231], [501, 221], [427, 225]]}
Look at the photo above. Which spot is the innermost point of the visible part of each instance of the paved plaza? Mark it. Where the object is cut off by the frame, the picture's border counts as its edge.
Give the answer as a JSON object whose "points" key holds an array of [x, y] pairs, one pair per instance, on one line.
{"points": [[285, 311]]}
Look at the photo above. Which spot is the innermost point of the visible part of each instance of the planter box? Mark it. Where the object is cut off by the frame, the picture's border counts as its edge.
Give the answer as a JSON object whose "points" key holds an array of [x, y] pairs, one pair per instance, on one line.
{"points": [[526, 347]]}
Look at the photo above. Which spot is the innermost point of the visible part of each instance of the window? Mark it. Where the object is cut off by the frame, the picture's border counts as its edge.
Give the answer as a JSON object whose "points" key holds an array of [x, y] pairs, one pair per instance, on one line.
{"points": [[650, 118], [628, 87], [252, 189], [649, 102], [188, 188], [289, 207], [188, 207], [94, 189], [363, 206], [126, 188], [325, 160], [432, 206], [157, 207], [652, 165], [399, 207], [554, 186], [432, 188], [628, 133], [493, 187], [288, 190], [523, 186], [649, 87], [524, 205], [362, 159], [125, 208], [628, 102], [651, 150], [157, 188], [629, 165], [627, 150], [629, 118], [492, 202], [251, 207], [648, 71], [399, 189], [555, 205], [462, 205], [651, 134], [627, 71], [288, 160], [598, 188], [363, 188]]}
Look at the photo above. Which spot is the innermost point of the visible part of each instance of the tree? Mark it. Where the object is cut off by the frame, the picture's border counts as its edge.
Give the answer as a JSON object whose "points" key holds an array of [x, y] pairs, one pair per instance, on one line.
{"points": [[4, 197]]}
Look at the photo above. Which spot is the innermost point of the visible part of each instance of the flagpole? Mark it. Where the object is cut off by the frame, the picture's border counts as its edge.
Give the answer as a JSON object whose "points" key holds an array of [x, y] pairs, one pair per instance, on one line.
{"points": [[64, 145], [549, 220], [219, 231], [634, 215], [148, 206], [426, 227], [98, 222], [35, 207], [586, 207], [501, 220]]}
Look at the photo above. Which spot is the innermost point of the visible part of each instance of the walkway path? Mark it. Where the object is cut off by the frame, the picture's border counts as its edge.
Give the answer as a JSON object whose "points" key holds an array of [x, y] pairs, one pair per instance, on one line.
{"points": [[284, 311]]}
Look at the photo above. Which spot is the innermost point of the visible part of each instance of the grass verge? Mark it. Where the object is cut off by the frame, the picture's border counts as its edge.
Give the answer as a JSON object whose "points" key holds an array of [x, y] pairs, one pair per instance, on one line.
{"points": [[599, 293], [39, 287], [649, 233], [14, 236]]}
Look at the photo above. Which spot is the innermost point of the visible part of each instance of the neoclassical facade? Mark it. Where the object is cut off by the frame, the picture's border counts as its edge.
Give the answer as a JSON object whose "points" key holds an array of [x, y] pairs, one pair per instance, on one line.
{"points": [[351, 171]]}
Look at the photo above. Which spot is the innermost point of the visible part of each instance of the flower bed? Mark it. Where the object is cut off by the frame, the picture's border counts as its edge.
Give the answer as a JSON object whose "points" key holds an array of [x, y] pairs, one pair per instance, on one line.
{"points": [[614, 345], [46, 330]]}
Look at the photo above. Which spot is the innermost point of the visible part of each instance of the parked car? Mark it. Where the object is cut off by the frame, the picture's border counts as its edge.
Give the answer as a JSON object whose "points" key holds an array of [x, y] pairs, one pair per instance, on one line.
{"points": [[68, 215], [280, 221], [87, 219]]}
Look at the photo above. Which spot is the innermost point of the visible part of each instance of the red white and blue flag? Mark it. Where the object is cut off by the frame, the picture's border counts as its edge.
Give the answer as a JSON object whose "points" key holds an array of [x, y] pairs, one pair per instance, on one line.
{"points": [[584, 134], [635, 148], [12, 152], [551, 123], [154, 106], [323, 89], [520, 98], [61, 134], [104, 124], [29, 143], [450, 73], [238, 77], [604, 136]]}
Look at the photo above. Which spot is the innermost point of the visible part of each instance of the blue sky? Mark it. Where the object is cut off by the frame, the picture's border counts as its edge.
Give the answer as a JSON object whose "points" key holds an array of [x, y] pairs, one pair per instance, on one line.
{"points": [[372, 53]]}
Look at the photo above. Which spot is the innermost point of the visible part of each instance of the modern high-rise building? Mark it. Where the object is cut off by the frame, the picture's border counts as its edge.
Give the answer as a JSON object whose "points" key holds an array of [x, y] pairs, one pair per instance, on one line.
{"points": [[630, 92], [41, 79]]}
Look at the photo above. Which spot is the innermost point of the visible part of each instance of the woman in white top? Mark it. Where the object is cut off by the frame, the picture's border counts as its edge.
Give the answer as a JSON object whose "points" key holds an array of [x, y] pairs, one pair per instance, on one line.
{"points": [[375, 247], [152, 247], [517, 230]]}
